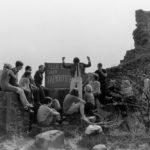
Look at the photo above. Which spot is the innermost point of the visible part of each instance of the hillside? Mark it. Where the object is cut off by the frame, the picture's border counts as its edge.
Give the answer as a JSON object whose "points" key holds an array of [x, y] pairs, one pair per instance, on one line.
{"points": [[136, 62]]}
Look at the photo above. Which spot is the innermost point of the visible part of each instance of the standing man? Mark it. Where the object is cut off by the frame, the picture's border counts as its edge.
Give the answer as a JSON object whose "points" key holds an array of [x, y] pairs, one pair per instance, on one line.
{"points": [[102, 78], [77, 71], [38, 79]]}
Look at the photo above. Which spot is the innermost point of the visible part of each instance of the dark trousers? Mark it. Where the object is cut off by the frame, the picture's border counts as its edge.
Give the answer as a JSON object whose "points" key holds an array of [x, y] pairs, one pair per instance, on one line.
{"points": [[36, 95], [43, 92], [88, 108]]}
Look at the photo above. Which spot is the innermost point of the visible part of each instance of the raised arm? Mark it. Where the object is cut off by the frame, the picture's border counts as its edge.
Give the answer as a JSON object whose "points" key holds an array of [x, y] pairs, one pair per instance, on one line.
{"points": [[89, 62], [64, 64]]}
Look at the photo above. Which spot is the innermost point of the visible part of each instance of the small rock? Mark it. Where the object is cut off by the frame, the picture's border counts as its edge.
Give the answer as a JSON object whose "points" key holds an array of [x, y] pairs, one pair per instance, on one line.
{"points": [[93, 128], [100, 147], [50, 139], [92, 139]]}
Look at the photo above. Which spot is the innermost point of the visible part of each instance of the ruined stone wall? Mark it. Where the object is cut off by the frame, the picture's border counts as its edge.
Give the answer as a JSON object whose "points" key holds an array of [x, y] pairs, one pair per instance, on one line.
{"points": [[13, 117], [136, 62], [141, 34]]}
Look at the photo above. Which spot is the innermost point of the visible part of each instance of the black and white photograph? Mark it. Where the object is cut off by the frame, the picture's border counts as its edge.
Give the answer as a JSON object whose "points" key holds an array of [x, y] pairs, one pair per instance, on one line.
{"points": [[74, 75]]}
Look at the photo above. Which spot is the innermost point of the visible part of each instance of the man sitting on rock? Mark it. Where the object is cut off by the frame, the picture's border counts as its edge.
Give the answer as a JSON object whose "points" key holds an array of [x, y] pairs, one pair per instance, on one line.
{"points": [[114, 91], [128, 94], [73, 104], [47, 115]]}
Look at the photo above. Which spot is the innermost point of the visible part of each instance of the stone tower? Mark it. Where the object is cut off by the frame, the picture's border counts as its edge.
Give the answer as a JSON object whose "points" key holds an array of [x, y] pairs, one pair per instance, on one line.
{"points": [[141, 34]]}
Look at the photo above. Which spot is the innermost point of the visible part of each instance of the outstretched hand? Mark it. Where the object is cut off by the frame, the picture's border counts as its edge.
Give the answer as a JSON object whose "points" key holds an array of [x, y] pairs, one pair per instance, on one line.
{"points": [[88, 58]]}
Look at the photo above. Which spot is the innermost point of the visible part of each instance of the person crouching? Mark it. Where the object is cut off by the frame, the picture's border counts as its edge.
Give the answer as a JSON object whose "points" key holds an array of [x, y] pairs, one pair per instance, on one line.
{"points": [[73, 104], [46, 115]]}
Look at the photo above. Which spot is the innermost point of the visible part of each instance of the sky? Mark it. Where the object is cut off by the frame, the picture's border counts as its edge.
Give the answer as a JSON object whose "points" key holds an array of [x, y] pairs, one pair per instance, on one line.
{"points": [[39, 31]]}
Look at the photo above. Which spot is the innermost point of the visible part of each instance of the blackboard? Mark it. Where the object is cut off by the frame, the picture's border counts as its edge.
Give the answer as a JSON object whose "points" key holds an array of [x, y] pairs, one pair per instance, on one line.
{"points": [[57, 77]]}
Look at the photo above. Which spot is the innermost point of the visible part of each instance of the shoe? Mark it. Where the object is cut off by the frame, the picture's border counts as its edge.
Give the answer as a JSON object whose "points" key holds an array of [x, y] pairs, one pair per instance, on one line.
{"points": [[27, 108], [31, 111], [30, 106], [84, 118]]}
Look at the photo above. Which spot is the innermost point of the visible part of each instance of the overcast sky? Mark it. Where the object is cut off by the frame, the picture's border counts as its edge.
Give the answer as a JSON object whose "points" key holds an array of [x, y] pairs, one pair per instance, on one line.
{"points": [[39, 31]]}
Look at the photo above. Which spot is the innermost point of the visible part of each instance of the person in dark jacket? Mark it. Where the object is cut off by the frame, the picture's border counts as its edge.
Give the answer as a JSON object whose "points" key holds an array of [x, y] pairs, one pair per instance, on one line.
{"points": [[102, 78], [77, 70], [38, 79]]}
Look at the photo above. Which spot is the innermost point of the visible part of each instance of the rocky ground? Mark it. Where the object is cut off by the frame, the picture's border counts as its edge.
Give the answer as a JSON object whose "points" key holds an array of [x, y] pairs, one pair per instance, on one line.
{"points": [[118, 138], [116, 141]]}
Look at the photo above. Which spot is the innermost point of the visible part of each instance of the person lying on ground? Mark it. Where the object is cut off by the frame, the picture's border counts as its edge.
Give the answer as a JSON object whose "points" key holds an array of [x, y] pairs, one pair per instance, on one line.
{"points": [[7, 73], [73, 104], [46, 115]]}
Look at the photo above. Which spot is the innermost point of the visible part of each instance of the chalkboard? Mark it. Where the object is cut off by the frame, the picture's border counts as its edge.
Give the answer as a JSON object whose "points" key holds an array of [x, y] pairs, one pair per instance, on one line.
{"points": [[57, 77]]}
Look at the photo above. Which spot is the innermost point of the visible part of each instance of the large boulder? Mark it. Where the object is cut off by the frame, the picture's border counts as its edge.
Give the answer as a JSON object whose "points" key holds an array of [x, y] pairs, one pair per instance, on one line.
{"points": [[50, 139]]}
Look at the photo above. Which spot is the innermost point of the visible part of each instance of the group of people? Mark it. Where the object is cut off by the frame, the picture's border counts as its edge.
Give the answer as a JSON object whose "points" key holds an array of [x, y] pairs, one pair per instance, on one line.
{"points": [[30, 90], [91, 95], [87, 91]]}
